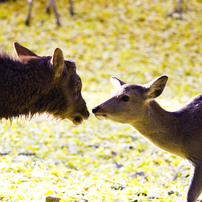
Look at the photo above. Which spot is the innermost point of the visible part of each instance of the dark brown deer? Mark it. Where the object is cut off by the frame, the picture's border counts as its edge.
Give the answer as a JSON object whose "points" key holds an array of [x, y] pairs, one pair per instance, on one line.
{"points": [[178, 132], [51, 3], [32, 84]]}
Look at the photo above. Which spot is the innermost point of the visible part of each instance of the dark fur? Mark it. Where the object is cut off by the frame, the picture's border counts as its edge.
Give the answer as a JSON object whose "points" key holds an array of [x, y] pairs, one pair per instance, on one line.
{"points": [[29, 85], [23, 86]]}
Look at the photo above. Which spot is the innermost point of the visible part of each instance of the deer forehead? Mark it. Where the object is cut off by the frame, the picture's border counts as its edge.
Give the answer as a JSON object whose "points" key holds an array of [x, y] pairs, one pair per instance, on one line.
{"points": [[131, 89], [70, 66]]}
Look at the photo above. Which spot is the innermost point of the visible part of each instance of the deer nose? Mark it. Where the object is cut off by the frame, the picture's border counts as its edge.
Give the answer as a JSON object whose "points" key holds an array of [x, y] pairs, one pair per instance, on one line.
{"points": [[95, 109]]}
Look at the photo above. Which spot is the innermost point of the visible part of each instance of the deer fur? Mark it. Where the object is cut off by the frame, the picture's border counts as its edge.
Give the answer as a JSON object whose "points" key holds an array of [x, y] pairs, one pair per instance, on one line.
{"points": [[178, 132], [33, 84]]}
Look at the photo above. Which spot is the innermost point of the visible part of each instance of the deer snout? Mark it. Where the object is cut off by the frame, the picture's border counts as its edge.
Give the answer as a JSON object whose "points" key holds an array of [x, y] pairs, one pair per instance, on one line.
{"points": [[98, 114], [95, 109], [85, 115]]}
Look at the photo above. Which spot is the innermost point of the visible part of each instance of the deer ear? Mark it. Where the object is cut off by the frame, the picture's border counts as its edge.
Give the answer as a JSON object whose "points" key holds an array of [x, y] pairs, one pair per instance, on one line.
{"points": [[23, 52], [58, 62], [156, 87], [117, 83]]}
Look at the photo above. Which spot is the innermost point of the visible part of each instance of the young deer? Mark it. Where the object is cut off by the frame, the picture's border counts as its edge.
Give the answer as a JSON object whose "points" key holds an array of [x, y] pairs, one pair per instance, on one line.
{"points": [[50, 3], [178, 132]]}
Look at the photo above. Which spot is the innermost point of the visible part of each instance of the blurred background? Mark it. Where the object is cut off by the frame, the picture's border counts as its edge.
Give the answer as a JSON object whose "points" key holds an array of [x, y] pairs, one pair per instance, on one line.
{"points": [[134, 40]]}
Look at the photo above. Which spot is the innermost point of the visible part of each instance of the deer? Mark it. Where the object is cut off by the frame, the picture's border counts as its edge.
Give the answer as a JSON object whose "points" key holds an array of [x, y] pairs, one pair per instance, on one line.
{"points": [[178, 132], [50, 3], [32, 84]]}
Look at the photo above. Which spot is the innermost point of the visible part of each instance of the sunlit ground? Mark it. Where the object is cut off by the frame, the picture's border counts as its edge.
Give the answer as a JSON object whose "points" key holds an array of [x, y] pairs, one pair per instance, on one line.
{"points": [[101, 161]]}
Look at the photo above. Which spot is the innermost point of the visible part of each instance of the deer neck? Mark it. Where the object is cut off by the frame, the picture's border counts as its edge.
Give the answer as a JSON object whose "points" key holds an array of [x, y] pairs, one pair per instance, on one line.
{"points": [[160, 127]]}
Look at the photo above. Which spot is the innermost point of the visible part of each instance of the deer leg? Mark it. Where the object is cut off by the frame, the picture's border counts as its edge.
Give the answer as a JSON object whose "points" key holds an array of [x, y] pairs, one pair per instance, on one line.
{"points": [[27, 20], [71, 7], [50, 2], [56, 13], [195, 187], [179, 6], [178, 9]]}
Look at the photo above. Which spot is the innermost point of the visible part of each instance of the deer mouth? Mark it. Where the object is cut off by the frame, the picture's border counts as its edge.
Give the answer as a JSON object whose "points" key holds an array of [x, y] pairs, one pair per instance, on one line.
{"points": [[77, 120], [100, 116]]}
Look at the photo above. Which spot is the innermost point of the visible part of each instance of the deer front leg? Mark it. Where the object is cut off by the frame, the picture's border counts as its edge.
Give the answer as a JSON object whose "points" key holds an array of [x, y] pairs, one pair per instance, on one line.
{"points": [[178, 9], [71, 7], [195, 187], [56, 13], [50, 2], [27, 20], [179, 6]]}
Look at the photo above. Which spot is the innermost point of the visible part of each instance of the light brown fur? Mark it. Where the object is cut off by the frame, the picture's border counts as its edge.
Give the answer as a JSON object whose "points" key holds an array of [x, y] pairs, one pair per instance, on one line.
{"points": [[178, 132]]}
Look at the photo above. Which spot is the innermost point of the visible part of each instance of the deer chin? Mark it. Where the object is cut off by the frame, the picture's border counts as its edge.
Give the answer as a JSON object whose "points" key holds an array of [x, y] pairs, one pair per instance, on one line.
{"points": [[77, 120], [101, 116]]}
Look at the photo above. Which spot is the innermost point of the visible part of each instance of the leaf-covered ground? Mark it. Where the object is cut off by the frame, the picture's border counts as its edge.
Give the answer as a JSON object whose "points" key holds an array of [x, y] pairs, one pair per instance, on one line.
{"points": [[101, 161]]}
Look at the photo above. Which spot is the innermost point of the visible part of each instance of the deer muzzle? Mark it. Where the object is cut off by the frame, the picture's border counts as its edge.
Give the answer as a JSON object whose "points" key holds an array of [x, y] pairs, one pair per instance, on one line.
{"points": [[98, 115]]}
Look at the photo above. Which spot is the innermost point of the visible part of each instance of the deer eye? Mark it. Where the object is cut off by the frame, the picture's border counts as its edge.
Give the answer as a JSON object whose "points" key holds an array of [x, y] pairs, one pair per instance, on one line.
{"points": [[125, 98], [78, 85]]}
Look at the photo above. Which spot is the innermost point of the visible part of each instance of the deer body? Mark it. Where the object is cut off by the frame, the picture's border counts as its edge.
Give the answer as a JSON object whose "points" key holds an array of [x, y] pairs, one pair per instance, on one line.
{"points": [[178, 132], [165, 129]]}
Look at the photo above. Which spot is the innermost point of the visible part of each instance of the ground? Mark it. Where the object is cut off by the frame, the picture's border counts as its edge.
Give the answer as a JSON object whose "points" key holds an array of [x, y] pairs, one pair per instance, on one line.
{"points": [[101, 161]]}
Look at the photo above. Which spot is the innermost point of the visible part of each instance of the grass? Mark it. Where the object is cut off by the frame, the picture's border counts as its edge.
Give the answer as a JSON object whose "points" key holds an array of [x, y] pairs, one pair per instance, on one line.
{"points": [[99, 160]]}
